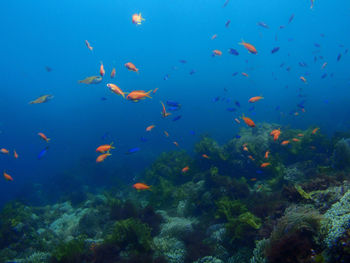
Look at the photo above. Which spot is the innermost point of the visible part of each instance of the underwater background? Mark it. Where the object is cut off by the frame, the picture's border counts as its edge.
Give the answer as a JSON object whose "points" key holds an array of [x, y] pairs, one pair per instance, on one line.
{"points": [[220, 190]]}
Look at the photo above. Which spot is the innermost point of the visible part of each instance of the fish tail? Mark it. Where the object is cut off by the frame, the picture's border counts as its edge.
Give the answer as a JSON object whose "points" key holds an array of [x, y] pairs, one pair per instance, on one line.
{"points": [[48, 140], [147, 94]]}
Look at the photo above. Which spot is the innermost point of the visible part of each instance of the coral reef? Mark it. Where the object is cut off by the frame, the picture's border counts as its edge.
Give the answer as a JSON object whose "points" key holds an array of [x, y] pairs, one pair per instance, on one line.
{"points": [[341, 154]]}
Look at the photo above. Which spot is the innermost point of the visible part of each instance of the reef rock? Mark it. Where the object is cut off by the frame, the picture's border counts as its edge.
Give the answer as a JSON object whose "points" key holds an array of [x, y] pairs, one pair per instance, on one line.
{"points": [[341, 154]]}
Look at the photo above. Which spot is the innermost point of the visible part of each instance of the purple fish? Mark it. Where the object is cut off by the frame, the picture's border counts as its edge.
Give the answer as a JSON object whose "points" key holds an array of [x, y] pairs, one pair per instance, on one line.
{"points": [[233, 51], [291, 18], [339, 57], [324, 76], [227, 24], [183, 61], [177, 118], [192, 71], [234, 74], [274, 50], [262, 24], [317, 45]]}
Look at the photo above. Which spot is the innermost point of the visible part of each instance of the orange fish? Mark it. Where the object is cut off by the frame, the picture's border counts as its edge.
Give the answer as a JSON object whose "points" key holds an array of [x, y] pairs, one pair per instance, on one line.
{"points": [[251, 157], [237, 120], [267, 154], [300, 135], [166, 133], [149, 128], [255, 99], [102, 70], [137, 19], [303, 79], [249, 47], [113, 73], [141, 186], [295, 140], [7, 177], [284, 142], [324, 65], [114, 88], [15, 154], [253, 179], [245, 74], [205, 156], [137, 95], [217, 53], [185, 169], [102, 157], [155, 90], [88, 45], [43, 136], [312, 147], [315, 130], [105, 148], [4, 151], [214, 36], [176, 144], [248, 121], [263, 165], [130, 66], [275, 133], [163, 112], [245, 148]]}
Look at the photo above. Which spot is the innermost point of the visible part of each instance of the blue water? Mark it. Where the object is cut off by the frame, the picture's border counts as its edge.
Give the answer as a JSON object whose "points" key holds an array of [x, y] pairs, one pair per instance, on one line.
{"points": [[36, 34]]}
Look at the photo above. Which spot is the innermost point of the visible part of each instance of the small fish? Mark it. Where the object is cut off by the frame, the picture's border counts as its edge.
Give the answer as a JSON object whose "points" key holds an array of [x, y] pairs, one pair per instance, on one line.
{"points": [[274, 50], [216, 53], [173, 103], [137, 95], [131, 67], [248, 121], [262, 24], [226, 3], [154, 91], [105, 136], [315, 130], [113, 73], [324, 75], [249, 47], [295, 140], [43, 152], [234, 74], [143, 139], [227, 24], [251, 157], [275, 133], [166, 134], [291, 18], [317, 45], [238, 136], [91, 80], [133, 150], [216, 99], [166, 77], [237, 103], [105, 148], [192, 71], [245, 74], [15, 154], [185, 169], [324, 65], [137, 19], [312, 4], [171, 108], [149, 128], [267, 154], [259, 171], [43, 136], [102, 70], [183, 61], [4, 151], [176, 144], [163, 112], [48, 69], [88, 45], [286, 142], [141, 186], [302, 64], [115, 89], [303, 79], [214, 36], [192, 132], [231, 109], [237, 120], [263, 165], [300, 135], [103, 98], [102, 157], [41, 99], [7, 177], [177, 118], [253, 179], [205, 156], [255, 99], [339, 57], [233, 51]]}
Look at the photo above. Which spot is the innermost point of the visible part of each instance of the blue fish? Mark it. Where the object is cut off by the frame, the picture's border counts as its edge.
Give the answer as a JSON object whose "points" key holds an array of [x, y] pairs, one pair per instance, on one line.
{"points": [[227, 24], [259, 171], [233, 51], [274, 50], [339, 57], [177, 118], [291, 18], [173, 108], [231, 109], [216, 99], [43, 152], [324, 76], [192, 132], [103, 98], [234, 74], [317, 45], [281, 66], [237, 103], [192, 72], [238, 136], [173, 103], [262, 24], [143, 139], [133, 150], [183, 61], [166, 77]]}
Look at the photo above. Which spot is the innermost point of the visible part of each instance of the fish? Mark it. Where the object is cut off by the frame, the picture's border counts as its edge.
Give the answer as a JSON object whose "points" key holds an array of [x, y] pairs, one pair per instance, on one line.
{"points": [[205, 156], [259, 171], [300, 135], [237, 103], [231, 109], [324, 75], [303, 79], [115, 89], [317, 45], [192, 132], [234, 74], [214, 36], [137, 19], [105, 148], [253, 179], [91, 80], [43, 136], [149, 128], [274, 50], [238, 136], [237, 120], [102, 157], [262, 24], [227, 24], [166, 134], [226, 3], [4, 151], [113, 73], [177, 118], [43, 152], [233, 51], [290, 18], [251, 157], [171, 108], [275, 133], [131, 67], [216, 99], [41, 99], [286, 142], [103, 98], [267, 154], [7, 176], [166, 77], [192, 71], [315, 130], [88, 45], [339, 57], [216, 53], [164, 113], [263, 165], [176, 144], [15, 154], [137, 95], [248, 121], [255, 99], [185, 169], [105, 135], [48, 69], [143, 139], [154, 91], [173, 103], [102, 70], [312, 4], [245, 74], [324, 65], [295, 140], [182, 61], [141, 186], [133, 150], [249, 47]]}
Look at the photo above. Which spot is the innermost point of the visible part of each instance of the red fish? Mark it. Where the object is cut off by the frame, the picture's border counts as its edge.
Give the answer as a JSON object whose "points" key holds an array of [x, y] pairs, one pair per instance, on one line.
{"points": [[113, 73], [141, 186], [8, 177], [43, 136], [185, 169], [15, 154], [249, 47], [4, 151], [137, 19], [164, 113], [255, 99], [137, 95], [217, 53], [102, 70], [263, 165], [248, 121], [105, 148], [149, 128], [102, 157], [315, 130], [114, 88], [130, 66]]}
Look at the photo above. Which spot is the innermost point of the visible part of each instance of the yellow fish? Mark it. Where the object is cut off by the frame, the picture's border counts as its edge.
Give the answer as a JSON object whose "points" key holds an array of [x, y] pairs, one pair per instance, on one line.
{"points": [[41, 99], [91, 80]]}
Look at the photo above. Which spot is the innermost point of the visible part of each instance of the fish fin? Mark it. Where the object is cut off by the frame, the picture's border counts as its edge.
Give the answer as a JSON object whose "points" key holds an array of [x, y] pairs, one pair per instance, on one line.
{"points": [[147, 94]]}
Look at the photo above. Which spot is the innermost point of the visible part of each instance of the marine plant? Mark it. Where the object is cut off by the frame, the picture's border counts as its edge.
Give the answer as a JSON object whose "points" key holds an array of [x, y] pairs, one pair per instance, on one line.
{"points": [[69, 252]]}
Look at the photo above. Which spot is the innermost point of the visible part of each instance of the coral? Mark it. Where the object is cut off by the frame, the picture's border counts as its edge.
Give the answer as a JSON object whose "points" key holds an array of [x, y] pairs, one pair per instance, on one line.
{"points": [[302, 193], [259, 252], [341, 154], [69, 252], [229, 209], [172, 248], [208, 259], [250, 219]]}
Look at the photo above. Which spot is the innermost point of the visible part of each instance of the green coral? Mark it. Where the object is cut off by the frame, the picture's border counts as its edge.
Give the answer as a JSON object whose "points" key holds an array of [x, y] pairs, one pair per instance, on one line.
{"points": [[69, 252], [229, 209], [250, 219], [131, 235]]}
